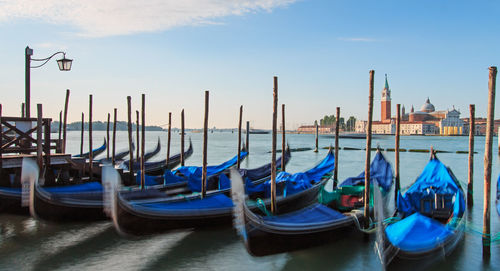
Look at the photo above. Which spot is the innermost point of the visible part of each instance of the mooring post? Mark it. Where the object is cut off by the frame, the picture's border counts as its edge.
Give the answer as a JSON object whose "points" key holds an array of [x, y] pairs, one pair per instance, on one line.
{"points": [[487, 162], [1, 136], [396, 154], [107, 137], [113, 161], [91, 155], [248, 137], [368, 152], [169, 136], [22, 110], [39, 154], [283, 138], [81, 134], [143, 141], [46, 141], [317, 132], [238, 162], [337, 132], [205, 139], [66, 103], [182, 138], [472, 132], [59, 132], [273, 150], [130, 148], [138, 155]]}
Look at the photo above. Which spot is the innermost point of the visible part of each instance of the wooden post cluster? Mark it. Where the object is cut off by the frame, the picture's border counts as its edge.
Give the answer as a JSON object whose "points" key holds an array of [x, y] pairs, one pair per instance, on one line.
{"points": [[487, 162], [81, 134], [130, 148], [248, 137], [283, 139], [66, 104], [273, 151], [91, 155], [368, 152], [143, 140], [205, 139], [107, 137], [337, 132], [182, 138], [114, 138], [472, 132], [169, 136], [239, 138], [396, 153]]}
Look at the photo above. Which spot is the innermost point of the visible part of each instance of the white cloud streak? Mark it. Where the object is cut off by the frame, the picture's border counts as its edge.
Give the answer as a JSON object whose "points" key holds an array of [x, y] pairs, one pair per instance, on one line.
{"points": [[100, 18]]}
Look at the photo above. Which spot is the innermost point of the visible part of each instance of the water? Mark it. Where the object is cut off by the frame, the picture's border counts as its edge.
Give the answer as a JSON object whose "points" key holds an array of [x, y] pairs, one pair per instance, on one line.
{"points": [[27, 244]]}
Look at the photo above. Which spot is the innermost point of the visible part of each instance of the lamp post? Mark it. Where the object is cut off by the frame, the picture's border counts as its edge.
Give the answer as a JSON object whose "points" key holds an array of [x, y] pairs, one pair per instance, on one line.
{"points": [[63, 63]]}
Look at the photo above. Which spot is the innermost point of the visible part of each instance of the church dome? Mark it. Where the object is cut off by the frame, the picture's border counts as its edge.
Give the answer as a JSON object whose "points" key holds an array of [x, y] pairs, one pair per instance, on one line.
{"points": [[427, 106]]}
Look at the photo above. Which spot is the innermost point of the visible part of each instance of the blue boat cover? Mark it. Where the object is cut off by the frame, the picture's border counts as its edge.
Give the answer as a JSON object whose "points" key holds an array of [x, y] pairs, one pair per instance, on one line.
{"points": [[149, 180], [417, 233], [435, 179], [313, 214], [209, 202], [294, 183], [85, 187], [16, 190], [380, 171]]}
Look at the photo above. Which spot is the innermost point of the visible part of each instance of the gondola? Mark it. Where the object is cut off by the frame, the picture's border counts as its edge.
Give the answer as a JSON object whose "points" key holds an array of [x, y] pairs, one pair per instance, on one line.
{"points": [[95, 152], [337, 213], [118, 157], [431, 218], [158, 167], [147, 156], [77, 202], [138, 216]]}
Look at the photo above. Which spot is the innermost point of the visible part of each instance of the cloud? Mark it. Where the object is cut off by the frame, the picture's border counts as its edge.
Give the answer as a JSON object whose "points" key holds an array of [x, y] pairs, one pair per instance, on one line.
{"points": [[100, 18], [358, 39]]}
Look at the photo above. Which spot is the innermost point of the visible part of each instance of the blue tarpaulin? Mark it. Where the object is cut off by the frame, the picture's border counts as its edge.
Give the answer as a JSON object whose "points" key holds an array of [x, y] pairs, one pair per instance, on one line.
{"points": [[417, 233], [435, 179], [380, 171], [316, 213], [209, 202], [85, 187]]}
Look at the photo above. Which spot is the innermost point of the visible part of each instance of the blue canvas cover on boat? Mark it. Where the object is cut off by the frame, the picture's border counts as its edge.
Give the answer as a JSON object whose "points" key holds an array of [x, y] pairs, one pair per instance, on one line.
{"points": [[435, 179], [149, 180], [85, 187], [209, 202], [294, 183], [316, 213], [417, 233], [380, 171]]}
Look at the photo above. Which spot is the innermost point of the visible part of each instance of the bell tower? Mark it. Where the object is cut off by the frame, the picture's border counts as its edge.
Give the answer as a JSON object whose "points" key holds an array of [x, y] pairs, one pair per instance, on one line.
{"points": [[385, 114]]}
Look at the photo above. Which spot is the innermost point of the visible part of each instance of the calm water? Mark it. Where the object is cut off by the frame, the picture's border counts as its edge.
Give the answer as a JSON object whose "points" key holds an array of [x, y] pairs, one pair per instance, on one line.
{"points": [[27, 244]]}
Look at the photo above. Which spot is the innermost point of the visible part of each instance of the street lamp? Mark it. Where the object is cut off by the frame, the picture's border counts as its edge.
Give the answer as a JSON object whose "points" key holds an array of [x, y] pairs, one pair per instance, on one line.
{"points": [[63, 63]]}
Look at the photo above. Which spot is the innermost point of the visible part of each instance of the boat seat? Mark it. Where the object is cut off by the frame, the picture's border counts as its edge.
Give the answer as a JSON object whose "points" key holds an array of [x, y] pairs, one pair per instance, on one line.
{"points": [[440, 206]]}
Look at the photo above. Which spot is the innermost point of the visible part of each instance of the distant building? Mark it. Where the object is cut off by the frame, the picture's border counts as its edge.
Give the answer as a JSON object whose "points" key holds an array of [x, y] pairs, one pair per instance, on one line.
{"points": [[427, 121], [308, 129]]}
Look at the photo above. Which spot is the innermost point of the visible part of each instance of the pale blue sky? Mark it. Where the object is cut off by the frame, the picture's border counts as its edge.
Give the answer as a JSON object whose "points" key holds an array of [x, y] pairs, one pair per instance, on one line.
{"points": [[321, 50]]}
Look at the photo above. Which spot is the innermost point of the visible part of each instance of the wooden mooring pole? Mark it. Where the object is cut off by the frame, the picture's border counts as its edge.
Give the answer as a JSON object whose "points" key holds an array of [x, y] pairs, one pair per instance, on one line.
{"points": [[273, 150], [91, 155], [143, 141], [337, 132], [39, 142], [317, 132], [81, 134], [22, 110], [138, 154], [130, 148], [107, 136], [205, 139], [60, 129], [169, 137], [396, 154], [239, 138], [283, 138], [368, 152], [182, 138], [487, 162], [66, 104], [248, 137], [472, 132], [114, 139], [1, 140]]}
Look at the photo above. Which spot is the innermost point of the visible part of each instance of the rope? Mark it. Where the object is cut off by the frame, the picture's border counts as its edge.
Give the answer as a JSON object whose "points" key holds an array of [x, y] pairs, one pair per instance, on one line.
{"points": [[262, 206]]}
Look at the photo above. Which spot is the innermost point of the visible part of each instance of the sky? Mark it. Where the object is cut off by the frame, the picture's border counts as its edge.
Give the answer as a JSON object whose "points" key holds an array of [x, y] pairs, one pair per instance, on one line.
{"points": [[321, 51]]}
